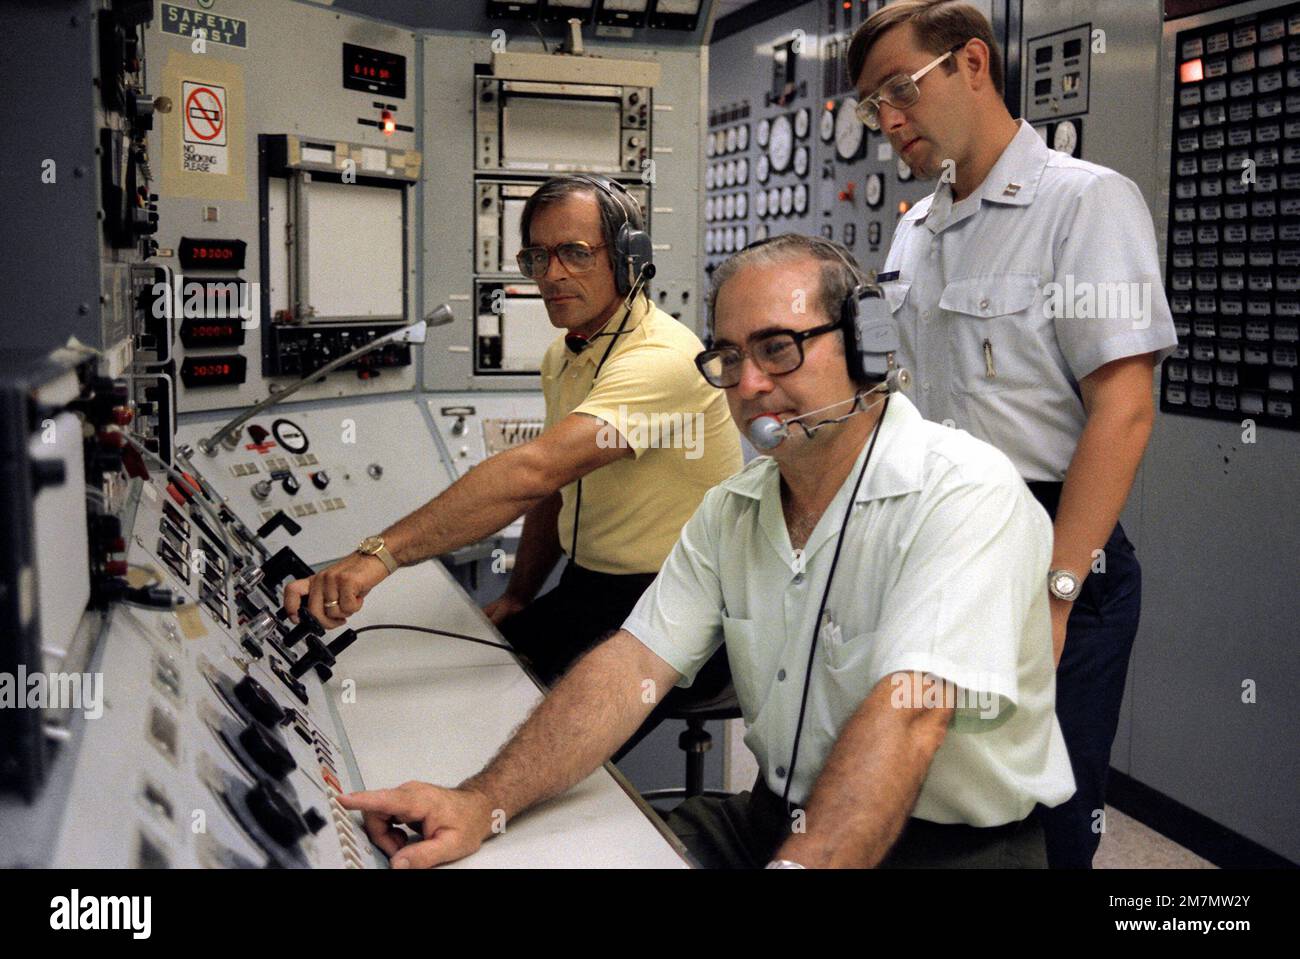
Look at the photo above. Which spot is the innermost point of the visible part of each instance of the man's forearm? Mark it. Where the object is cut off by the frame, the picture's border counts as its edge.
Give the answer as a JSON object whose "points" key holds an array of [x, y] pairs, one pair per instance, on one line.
{"points": [[592, 712], [539, 549], [1097, 485], [489, 497], [867, 788]]}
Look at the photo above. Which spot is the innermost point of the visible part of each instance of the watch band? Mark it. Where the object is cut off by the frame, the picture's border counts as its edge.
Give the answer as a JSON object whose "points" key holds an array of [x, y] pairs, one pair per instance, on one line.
{"points": [[375, 546], [784, 864]]}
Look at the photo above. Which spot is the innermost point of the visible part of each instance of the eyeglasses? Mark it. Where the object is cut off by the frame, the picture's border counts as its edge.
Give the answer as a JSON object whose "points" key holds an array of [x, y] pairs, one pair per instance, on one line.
{"points": [[775, 353], [899, 91], [577, 257]]}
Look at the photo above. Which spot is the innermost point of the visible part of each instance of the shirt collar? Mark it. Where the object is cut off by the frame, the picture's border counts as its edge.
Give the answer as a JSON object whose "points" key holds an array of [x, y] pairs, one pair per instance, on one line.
{"points": [[897, 465], [1013, 180]]}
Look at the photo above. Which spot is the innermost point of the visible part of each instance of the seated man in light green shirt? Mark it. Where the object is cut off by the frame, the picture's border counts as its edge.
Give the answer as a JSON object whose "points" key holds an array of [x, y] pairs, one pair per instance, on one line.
{"points": [[876, 580]]}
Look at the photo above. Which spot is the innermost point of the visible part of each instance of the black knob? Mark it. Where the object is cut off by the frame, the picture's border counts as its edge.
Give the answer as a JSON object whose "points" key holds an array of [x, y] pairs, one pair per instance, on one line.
{"points": [[253, 696], [320, 479], [289, 484], [252, 647], [274, 814], [307, 626], [267, 751], [48, 473], [314, 820]]}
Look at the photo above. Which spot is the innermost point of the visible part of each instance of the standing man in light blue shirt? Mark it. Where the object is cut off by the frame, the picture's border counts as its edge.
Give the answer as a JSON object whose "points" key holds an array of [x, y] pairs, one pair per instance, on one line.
{"points": [[1031, 313]]}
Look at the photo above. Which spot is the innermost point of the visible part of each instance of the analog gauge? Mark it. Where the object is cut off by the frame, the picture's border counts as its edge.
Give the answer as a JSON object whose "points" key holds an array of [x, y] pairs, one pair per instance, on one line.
{"points": [[849, 130], [801, 198], [742, 238], [708, 145], [904, 171], [708, 177], [874, 189], [729, 207], [760, 203], [801, 161], [773, 201], [761, 232], [826, 126], [742, 136], [742, 205], [731, 173], [742, 171], [802, 121], [708, 210], [763, 168], [787, 200], [781, 146], [731, 140], [764, 131], [708, 241], [1066, 137]]}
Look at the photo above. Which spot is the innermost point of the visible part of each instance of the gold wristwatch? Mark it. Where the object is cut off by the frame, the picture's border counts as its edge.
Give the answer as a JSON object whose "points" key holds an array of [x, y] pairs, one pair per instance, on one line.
{"points": [[374, 546]]}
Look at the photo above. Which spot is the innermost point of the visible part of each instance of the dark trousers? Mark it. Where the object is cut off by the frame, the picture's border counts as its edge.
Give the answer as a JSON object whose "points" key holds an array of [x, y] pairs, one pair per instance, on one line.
{"points": [[745, 831], [585, 608], [1089, 690]]}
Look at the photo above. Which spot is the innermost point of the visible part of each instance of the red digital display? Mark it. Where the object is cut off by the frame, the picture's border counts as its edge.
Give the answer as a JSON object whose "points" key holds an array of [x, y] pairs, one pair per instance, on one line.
{"points": [[214, 370], [205, 332], [211, 254], [374, 71]]}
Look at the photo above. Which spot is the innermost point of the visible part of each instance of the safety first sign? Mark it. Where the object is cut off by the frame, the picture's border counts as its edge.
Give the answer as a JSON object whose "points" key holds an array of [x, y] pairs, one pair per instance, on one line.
{"points": [[204, 119]]}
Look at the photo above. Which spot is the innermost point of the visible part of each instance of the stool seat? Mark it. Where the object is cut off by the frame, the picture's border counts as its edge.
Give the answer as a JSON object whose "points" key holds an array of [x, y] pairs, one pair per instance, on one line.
{"points": [[721, 705], [695, 740]]}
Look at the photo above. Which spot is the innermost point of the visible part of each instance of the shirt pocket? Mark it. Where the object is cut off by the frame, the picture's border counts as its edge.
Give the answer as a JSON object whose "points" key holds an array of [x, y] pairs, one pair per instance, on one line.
{"points": [[994, 333], [848, 671], [747, 672], [895, 293]]}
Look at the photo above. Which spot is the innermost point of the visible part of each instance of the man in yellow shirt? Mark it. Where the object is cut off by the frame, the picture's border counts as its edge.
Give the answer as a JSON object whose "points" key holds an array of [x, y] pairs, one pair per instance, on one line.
{"points": [[633, 440]]}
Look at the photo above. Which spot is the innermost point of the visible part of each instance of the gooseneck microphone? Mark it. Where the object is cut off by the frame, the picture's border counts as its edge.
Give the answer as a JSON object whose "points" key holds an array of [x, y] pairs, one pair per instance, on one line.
{"points": [[768, 431]]}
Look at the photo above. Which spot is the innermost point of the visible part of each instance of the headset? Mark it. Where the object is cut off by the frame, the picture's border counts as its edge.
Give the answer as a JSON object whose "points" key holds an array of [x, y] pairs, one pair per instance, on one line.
{"points": [[633, 258], [870, 332]]}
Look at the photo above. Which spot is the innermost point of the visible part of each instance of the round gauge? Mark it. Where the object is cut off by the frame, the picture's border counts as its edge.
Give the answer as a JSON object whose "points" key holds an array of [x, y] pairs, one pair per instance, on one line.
{"points": [[763, 132], [742, 171], [708, 145], [708, 210], [731, 173], [761, 232], [731, 140], [760, 203], [801, 161], [720, 142], [1066, 137], [773, 201], [874, 189], [781, 147], [849, 130], [904, 171], [729, 206], [742, 136], [708, 241], [729, 239], [763, 168], [708, 177], [290, 436], [742, 238], [742, 205], [801, 198], [826, 126], [787, 200], [802, 121]]}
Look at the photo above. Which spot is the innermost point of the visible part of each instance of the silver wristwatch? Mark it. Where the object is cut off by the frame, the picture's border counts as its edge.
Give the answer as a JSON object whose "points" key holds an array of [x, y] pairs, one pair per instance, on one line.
{"points": [[1063, 584], [784, 864]]}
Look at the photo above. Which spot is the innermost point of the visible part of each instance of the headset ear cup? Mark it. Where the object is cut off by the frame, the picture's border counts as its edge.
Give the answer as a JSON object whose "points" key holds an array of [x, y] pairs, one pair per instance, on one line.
{"points": [[852, 346]]}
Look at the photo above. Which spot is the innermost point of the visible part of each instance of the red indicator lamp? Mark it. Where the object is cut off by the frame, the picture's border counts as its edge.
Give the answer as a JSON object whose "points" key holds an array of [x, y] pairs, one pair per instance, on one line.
{"points": [[387, 123], [1191, 72]]}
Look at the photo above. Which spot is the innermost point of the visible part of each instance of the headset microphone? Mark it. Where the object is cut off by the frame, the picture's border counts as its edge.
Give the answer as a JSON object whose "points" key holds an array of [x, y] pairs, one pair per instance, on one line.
{"points": [[768, 431]]}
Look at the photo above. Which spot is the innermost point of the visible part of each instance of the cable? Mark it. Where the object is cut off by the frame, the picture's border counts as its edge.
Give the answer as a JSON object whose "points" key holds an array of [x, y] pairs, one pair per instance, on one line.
{"points": [[435, 632], [821, 610]]}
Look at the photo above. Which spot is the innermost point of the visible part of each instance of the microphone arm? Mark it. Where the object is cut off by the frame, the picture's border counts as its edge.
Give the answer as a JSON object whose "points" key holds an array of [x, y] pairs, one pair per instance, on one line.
{"points": [[412, 333]]}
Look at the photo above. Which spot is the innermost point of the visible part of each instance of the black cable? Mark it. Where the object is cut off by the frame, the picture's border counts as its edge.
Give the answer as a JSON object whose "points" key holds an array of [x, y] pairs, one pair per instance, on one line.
{"points": [[435, 632], [817, 623]]}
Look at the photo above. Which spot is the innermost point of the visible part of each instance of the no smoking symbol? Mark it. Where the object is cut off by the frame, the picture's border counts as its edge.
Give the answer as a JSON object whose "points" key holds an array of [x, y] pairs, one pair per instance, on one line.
{"points": [[205, 115]]}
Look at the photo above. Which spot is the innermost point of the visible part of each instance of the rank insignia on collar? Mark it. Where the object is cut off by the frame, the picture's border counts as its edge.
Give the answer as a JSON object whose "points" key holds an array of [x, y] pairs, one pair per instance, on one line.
{"points": [[1011, 190]]}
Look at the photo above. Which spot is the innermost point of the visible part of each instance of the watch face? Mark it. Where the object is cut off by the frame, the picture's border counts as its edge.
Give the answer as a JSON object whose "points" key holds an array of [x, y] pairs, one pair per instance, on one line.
{"points": [[371, 544]]}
